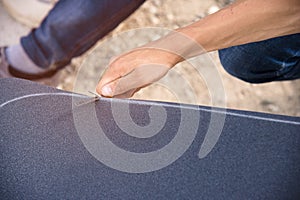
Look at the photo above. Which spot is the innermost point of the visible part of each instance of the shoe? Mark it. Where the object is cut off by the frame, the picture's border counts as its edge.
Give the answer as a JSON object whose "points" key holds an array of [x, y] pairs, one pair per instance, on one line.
{"points": [[50, 77]]}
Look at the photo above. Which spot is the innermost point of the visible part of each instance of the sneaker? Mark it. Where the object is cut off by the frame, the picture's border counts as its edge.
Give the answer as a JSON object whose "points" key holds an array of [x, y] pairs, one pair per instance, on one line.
{"points": [[50, 77]]}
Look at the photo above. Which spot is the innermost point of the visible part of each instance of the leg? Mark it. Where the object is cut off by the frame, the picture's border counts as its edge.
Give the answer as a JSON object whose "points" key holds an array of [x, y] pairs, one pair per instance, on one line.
{"points": [[72, 27], [270, 60]]}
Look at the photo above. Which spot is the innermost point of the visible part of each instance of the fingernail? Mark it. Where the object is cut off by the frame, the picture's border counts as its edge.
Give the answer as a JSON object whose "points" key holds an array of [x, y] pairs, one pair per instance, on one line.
{"points": [[106, 91]]}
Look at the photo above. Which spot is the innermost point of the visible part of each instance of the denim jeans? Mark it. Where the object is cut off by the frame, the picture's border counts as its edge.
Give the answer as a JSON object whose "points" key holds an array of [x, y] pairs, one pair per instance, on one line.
{"points": [[72, 27], [269, 60]]}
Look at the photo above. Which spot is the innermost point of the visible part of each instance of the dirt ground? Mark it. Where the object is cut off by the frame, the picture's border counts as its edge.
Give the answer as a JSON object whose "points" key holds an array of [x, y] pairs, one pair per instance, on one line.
{"points": [[84, 72]]}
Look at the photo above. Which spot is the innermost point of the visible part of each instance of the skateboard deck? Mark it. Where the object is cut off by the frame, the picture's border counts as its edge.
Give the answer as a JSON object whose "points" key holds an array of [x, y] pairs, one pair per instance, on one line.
{"points": [[51, 148]]}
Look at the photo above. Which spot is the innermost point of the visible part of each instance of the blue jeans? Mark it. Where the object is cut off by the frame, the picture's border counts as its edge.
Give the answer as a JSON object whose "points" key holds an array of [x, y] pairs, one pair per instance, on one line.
{"points": [[72, 27], [274, 59]]}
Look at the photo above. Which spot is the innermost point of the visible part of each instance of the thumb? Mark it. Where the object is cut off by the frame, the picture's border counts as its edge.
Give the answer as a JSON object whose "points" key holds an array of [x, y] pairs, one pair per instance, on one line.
{"points": [[106, 90], [122, 87], [137, 78]]}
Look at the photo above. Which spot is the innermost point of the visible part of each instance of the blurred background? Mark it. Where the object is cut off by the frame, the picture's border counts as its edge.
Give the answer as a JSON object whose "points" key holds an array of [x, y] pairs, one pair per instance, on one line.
{"points": [[17, 17]]}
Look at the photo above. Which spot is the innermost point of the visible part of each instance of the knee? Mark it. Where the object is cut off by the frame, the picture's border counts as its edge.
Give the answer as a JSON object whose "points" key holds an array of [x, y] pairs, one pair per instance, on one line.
{"points": [[264, 61], [236, 63], [233, 64]]}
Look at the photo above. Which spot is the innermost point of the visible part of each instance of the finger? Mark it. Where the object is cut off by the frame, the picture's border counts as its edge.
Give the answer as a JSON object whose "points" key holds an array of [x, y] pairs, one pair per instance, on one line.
{"points": [[110, 74], [115, 71], [116, 88], [128, 94], [139, 77], [109, 91], [106, 90]]}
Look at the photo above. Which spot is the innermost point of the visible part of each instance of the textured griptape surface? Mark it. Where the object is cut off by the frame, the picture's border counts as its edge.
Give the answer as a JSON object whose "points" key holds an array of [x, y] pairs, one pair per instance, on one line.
{"points": [[42, 156]]}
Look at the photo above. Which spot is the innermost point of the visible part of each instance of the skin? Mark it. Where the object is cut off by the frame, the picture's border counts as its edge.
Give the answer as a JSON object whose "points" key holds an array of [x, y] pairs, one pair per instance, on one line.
{"points": [[242, 22]]}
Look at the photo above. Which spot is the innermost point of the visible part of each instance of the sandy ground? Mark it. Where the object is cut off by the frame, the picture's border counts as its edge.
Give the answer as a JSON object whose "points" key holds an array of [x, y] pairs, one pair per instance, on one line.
{"points": [[85, 71]]}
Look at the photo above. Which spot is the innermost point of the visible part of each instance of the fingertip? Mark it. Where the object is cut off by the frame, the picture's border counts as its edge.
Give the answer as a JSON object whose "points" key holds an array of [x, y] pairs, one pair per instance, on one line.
{"points": [[106, 91], [98, 89]]}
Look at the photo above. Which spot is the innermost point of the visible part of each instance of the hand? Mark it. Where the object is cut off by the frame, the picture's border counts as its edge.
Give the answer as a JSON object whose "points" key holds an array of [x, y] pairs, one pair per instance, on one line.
{"points": [[134, 70]]}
